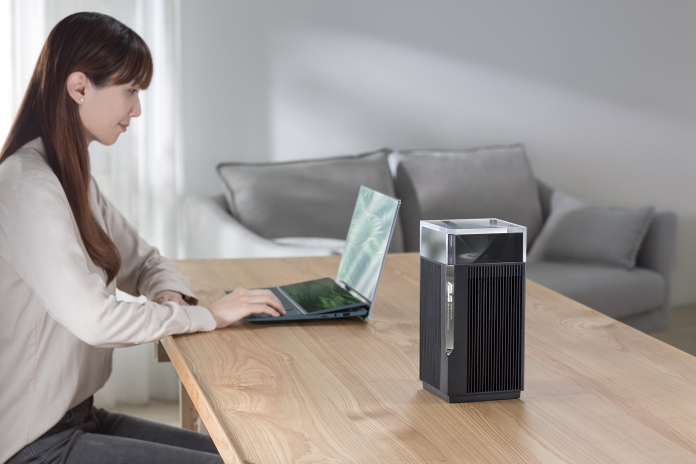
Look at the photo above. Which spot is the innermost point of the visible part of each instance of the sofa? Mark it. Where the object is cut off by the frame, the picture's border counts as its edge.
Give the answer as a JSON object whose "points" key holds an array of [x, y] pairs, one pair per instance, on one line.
{"points": [[615, 260]]}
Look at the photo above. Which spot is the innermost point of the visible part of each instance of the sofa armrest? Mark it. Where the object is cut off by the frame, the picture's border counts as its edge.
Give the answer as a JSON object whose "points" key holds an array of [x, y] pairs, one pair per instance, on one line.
{"points": [[210, 231], [658, 249]]}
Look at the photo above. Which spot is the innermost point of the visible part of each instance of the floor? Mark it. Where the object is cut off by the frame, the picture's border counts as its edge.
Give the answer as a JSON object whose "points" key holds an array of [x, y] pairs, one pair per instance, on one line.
{"points": [[681, 334], [158, 411]]}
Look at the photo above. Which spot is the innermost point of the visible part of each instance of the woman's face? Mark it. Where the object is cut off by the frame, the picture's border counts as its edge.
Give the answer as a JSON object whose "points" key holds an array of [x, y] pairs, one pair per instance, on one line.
{"points": [[106, 112]]}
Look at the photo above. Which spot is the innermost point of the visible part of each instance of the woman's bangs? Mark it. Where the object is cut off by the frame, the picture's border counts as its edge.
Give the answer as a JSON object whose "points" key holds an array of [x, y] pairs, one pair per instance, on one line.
{"points": [[136, 66]]}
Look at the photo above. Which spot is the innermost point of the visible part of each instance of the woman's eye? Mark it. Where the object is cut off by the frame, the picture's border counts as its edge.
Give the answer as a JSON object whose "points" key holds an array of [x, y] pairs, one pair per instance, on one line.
{"points": [[133, 91]]}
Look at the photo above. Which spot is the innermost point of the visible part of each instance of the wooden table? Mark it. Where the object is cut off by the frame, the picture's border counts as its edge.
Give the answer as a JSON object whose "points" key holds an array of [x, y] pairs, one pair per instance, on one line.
{"points": [[596, 391]]}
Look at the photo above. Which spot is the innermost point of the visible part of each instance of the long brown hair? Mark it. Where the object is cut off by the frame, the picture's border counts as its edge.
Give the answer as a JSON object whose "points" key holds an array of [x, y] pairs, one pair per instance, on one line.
{"points": [[108, 53]]}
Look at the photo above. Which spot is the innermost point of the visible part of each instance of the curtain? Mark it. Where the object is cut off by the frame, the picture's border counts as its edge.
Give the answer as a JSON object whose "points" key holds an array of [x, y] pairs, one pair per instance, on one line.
{"points": [[140, 174]]}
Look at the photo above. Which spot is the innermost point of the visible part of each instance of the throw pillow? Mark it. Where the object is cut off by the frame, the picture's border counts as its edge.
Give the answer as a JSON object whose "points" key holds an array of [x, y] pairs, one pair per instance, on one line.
{"points": [[577, 232], [306, 198], [487, 182]]}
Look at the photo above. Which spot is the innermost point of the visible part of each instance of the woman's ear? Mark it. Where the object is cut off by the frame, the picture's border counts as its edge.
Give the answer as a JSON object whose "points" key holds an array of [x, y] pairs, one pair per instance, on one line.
{"points": [[76, 85]]}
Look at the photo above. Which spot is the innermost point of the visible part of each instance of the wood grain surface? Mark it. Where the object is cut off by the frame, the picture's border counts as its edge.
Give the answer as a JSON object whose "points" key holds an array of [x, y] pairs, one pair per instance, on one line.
{"points": [[596, 391]]}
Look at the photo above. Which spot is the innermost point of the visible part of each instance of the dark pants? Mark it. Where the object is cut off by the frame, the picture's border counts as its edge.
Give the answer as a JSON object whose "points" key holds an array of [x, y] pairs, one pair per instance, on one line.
{"points": [[91, 435]]}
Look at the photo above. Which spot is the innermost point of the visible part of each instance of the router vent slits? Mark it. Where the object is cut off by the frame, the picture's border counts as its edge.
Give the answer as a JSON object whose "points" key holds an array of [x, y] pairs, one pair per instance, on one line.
{"points": [[495, 328]]}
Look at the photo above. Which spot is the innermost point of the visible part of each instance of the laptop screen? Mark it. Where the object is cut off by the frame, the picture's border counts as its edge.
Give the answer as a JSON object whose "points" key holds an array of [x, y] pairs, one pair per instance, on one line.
{"points": [[368, 240]]}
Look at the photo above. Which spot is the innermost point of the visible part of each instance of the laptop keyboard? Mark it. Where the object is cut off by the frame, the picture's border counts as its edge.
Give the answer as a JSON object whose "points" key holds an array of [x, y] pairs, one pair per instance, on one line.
{"points": [[287, 304]]}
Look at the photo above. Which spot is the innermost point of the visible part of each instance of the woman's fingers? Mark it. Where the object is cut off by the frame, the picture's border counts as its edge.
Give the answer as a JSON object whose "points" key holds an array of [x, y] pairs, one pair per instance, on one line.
{"points": [[265, 297], [243, 302], [170, 295]]}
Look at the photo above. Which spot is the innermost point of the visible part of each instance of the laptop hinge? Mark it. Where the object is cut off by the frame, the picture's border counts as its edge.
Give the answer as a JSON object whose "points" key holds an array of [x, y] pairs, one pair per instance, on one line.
{"points": [[353, 292]]}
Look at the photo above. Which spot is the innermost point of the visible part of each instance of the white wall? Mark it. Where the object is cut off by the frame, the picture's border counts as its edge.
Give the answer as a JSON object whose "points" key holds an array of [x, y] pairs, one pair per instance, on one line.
{"points": [[601, 92]]}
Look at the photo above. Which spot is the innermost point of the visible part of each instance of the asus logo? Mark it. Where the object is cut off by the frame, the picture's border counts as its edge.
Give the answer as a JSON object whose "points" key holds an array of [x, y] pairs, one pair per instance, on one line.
{"points": [[450, 292]]}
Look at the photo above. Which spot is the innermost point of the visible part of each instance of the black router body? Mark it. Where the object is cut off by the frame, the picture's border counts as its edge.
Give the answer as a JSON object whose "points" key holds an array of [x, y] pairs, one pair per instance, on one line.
{"points": [[472, 303]]}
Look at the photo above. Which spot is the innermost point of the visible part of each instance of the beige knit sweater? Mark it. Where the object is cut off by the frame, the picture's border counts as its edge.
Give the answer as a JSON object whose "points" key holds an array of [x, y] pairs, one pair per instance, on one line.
{"points": [[59, 321]]}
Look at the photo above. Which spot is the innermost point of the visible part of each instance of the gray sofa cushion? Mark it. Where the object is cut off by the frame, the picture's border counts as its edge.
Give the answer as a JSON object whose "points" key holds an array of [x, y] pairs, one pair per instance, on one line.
{"points": [[614, 291], [331, 246], [575, 232], [487, 182], [308, 198]]}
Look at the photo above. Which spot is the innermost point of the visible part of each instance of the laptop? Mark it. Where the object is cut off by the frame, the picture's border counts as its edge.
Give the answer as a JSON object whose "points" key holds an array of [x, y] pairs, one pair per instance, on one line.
{"points": [[353, 291]]}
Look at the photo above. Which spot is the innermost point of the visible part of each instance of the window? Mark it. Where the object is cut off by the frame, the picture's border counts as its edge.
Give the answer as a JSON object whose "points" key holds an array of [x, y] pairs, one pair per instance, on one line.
{"points": [[7, 107], [22, 34]]}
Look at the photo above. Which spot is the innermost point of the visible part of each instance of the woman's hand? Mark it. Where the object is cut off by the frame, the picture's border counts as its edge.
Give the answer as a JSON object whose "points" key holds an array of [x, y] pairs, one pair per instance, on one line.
{"points": [[242, 302], [170, 295]]}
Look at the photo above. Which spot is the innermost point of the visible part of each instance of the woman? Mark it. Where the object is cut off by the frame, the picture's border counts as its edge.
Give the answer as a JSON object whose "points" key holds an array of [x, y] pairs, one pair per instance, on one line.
{"points": [[64, 249]]}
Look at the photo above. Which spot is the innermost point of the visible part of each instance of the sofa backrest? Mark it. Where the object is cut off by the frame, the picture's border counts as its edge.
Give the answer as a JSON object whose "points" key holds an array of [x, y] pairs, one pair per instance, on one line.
{"points": [[493, 181], [307, 198]]}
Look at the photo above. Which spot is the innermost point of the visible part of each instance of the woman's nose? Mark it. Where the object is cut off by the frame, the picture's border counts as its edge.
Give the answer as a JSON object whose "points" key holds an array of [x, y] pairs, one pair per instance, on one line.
{"points": [[136, 110]]}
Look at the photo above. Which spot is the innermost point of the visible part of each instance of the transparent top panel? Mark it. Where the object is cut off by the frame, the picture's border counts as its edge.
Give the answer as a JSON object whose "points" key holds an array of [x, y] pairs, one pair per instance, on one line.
{"points": [[473, 241], [473, 226]]}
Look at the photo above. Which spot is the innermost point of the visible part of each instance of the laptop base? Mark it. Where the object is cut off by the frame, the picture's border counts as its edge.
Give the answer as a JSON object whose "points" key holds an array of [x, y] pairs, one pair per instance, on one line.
{"points": [[263, 317]]}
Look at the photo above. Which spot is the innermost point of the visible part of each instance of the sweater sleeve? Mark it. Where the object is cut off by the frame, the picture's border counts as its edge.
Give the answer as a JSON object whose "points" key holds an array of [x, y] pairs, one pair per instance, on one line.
{"points": [[143, 270], [47, 253]]}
